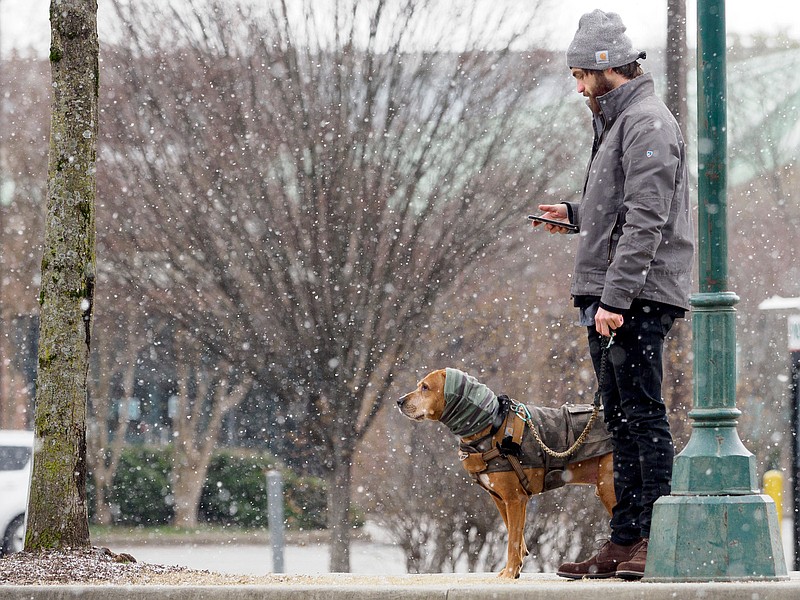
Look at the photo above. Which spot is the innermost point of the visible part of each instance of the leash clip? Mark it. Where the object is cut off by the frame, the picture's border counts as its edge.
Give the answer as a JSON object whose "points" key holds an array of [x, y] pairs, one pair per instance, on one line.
{"points": [[610, 339]]}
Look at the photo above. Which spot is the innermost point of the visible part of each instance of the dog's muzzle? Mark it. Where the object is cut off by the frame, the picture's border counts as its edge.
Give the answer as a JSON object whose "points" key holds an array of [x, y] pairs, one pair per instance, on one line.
{"points": [[402, 401]]}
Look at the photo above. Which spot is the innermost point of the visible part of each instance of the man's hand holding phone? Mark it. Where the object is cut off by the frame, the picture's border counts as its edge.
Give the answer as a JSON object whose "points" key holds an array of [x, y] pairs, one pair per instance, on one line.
{"points": [[554, 218]]}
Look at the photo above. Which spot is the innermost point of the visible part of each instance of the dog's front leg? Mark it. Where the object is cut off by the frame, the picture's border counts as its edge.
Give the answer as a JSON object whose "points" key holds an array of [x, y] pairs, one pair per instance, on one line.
{"points": [[501, 508], [515, 509], [513, 505]]}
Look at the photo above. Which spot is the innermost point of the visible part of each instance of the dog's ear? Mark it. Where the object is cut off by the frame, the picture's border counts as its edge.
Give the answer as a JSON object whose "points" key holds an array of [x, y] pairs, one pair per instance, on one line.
{"points": [[441, 376]]}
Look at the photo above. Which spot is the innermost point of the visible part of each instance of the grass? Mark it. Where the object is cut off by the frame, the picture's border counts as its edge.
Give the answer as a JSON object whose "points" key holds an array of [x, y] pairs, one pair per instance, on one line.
{"points": [[102, 535]]}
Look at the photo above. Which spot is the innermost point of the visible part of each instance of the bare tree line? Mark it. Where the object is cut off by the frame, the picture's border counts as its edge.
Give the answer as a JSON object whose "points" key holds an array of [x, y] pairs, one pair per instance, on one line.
{"points": [[297, 204]]}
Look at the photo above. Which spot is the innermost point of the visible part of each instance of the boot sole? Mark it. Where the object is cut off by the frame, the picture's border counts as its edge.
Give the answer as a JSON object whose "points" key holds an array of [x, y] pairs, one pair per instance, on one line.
{"points": [[630, 575], [586, 575]]}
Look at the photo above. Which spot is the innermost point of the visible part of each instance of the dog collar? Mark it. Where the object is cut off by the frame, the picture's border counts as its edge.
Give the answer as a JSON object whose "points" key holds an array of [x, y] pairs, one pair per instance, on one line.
{"points": [[470, 406]]}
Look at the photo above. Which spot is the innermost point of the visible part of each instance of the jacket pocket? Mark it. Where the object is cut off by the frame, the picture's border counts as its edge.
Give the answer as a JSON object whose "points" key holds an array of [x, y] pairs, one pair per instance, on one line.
{"points": [[613, 238]]}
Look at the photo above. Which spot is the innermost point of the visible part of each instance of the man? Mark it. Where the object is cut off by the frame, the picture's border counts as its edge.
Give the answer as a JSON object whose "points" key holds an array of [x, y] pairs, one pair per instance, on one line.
{"points": [[632, 273]]}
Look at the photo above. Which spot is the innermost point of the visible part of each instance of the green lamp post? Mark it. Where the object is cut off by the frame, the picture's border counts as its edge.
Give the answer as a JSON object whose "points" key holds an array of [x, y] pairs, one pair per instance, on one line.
{"points": [[715, 526]]}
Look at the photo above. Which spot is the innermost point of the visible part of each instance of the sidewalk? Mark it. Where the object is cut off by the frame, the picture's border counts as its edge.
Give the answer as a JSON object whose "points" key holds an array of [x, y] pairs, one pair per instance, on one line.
{"points": [[249, 553], [383, 583], [425, 587]]}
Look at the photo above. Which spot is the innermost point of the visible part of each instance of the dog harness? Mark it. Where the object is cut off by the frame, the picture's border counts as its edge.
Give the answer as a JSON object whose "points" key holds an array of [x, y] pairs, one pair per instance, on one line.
{"points": [[505, 443]]}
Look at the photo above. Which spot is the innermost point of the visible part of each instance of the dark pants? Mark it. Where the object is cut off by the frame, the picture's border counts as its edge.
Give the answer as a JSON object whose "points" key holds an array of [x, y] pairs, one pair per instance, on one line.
{"points": [[636, 417]]}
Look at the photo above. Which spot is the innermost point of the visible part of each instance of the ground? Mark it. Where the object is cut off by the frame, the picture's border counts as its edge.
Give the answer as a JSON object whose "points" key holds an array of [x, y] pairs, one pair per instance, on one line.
{"points": [[100, 566]]}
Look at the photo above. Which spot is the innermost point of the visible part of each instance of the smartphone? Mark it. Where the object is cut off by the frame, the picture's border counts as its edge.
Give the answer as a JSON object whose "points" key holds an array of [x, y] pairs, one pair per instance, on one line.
{"points": [[563, 224]]}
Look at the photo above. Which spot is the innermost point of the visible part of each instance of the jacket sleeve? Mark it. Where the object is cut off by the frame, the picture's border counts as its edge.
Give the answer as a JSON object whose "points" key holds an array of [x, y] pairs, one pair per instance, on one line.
{"points": [[651, 155], [573, 213]]}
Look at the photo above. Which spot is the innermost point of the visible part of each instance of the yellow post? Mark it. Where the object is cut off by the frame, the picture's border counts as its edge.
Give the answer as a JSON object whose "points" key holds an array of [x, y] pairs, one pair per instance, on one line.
{"points": [[773, 487]]}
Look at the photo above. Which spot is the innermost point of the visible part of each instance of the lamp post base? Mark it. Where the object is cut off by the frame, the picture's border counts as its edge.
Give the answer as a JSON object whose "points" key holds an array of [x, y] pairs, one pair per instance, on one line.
{"points": [[715, 538]]}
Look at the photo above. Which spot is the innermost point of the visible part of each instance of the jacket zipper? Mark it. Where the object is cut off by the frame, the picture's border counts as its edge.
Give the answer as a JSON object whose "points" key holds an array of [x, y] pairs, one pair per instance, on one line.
{"points": [[611, 239]]}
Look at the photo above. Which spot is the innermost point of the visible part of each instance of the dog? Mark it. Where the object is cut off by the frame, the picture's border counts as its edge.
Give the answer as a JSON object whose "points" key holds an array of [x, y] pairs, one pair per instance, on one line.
{"points": [[498, 448]]}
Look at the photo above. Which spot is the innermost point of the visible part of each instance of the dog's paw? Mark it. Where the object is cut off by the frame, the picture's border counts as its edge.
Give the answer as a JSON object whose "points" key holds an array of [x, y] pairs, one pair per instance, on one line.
{"points": [[509, 573]]}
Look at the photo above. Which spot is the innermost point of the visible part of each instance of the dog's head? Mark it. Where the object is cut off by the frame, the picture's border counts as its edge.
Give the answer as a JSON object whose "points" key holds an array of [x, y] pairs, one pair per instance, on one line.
{"points": [[427, 401]]}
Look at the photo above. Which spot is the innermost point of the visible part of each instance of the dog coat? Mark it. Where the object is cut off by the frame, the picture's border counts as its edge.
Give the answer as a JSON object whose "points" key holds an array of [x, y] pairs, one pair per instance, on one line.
{"points": [[559, 428], [471, 406]]}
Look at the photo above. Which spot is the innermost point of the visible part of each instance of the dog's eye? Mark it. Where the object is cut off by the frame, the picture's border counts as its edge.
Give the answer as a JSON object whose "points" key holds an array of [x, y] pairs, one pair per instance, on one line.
{"points": [[424, 387]]}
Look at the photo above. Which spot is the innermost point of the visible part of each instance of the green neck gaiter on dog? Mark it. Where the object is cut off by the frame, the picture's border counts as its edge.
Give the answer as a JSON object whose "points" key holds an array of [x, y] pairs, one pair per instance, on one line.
{"points": [[469, 406]]}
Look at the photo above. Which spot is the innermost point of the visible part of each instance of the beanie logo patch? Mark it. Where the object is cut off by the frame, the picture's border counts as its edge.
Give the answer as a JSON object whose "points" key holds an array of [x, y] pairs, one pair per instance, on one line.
{"points": [[601, 57]]}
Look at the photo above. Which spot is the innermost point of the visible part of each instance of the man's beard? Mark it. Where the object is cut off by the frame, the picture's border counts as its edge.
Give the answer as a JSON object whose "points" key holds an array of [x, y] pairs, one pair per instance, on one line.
{"points": [[602, 87]]}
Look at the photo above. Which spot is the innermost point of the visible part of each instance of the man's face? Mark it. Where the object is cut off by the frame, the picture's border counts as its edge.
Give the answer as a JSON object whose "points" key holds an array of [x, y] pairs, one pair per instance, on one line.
{"points": [[592, 85]]}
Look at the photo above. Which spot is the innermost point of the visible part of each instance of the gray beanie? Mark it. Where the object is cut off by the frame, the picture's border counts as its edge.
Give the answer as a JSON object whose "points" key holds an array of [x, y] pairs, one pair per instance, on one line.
{"points": [[600, 43]]}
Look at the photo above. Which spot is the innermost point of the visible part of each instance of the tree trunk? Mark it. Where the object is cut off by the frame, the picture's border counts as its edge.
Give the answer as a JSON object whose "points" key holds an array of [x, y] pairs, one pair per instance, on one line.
{"points": [[57, 512], [102, 508], [187, 486], [338, 511], [677, 61], [199, 393], [678, 386], [104, 453], [106, 460], [193, 454], [677, 360]]}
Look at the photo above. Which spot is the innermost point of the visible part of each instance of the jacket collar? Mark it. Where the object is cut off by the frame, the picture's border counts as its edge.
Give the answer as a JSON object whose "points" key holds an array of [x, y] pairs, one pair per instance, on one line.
{"points": [[617, 100]]}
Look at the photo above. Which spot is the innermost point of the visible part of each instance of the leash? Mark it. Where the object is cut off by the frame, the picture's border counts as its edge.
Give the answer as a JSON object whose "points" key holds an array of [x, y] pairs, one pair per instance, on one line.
{"points": [[523, 413]]}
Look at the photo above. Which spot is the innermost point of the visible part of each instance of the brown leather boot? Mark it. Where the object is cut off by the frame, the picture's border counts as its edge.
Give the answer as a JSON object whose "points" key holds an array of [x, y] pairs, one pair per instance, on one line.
{"points": [[601, 565], [634, 568]]}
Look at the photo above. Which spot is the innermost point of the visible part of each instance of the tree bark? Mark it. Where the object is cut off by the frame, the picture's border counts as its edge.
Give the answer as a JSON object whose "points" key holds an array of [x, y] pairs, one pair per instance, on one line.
{"points": [[677, 61], [677, 361], [338, 513], [57, 513], [105, 449], [203, 401], [187, 486]]}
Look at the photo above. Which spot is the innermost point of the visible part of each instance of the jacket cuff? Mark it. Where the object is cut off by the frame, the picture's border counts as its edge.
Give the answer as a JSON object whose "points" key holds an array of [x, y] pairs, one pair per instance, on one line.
{"points": [[571, 215], [569, 212], [613, 309]]}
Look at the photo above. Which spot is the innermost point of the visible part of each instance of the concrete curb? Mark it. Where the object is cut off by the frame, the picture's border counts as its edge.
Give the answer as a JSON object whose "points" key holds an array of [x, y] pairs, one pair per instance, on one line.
{"points": [[446, 587]]}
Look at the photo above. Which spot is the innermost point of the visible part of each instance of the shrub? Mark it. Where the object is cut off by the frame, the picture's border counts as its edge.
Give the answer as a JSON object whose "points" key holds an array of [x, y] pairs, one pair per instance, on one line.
{"points": [[235, 490], [236, 493], [305, 502], [141, 493]]}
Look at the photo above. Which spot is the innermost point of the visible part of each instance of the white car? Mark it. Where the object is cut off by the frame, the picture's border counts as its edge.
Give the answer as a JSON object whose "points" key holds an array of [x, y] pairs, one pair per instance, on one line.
{"points": [[15, 475]]}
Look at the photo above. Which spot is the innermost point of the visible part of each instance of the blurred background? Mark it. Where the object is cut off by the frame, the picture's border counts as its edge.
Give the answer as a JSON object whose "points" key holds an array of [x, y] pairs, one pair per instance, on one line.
{"points": [[303, 207]]}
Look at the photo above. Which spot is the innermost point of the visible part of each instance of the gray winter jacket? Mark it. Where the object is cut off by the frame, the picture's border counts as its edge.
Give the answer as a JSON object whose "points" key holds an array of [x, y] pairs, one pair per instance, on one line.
{"points": [[635, 224]]}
